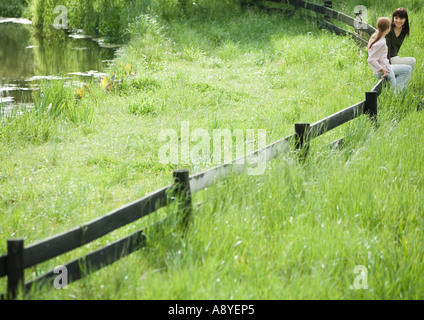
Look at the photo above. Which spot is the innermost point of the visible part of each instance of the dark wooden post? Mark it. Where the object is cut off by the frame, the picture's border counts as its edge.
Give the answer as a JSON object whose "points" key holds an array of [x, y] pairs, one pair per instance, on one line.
{"points": [[371, 104], [182, 193], [15, 267], [328, 4], [302, 138]]}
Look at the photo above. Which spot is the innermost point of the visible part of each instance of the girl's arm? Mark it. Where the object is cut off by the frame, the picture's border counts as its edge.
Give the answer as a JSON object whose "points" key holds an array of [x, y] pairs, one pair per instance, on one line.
{"points": [[376, 54]]}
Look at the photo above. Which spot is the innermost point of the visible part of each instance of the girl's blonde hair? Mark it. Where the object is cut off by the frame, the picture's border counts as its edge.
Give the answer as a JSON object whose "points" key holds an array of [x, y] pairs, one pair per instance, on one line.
{"points": [[383, 24]]}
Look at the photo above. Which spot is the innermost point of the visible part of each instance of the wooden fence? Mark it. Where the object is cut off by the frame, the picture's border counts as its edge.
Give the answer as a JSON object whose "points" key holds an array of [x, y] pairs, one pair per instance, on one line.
{"points": [[328, 13], [19, 257]]}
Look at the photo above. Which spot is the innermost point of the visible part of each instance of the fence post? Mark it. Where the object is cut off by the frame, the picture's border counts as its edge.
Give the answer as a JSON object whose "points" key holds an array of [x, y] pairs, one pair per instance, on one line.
{"points": [[182, 193], [302, 138], [371, 105], [327, 4], [15, 267]]}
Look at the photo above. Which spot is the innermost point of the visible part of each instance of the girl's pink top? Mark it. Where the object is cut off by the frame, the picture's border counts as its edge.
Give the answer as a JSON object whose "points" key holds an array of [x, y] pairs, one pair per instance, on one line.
{"points": [[377, 56]]}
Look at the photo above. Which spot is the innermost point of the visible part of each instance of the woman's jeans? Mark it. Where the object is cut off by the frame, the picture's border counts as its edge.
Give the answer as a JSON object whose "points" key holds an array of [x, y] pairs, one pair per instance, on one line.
{"points": [[398, 77], [410, 61]]}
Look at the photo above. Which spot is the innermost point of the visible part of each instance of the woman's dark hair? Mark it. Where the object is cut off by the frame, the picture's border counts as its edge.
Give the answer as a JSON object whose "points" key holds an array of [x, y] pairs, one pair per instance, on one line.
{"points": [[401, 13]]}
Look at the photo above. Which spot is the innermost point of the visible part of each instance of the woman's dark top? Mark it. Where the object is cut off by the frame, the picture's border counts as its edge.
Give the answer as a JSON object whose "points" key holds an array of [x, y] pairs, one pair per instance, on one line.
{"points": [[394, 43]]}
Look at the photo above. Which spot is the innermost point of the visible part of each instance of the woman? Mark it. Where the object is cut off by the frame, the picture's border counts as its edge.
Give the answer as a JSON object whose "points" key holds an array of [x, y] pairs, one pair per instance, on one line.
{"points": [[397, 74], [398, 32]]}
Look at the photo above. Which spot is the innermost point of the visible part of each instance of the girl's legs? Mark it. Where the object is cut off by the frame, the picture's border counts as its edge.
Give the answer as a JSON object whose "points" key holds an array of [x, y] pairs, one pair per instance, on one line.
{"points": [[405, 60], [390, 77], [397, 77], [402, 73]]}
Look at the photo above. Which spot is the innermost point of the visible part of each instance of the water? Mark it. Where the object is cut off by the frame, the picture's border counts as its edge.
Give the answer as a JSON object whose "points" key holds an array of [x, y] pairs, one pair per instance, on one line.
{"points": [[28, 57]]}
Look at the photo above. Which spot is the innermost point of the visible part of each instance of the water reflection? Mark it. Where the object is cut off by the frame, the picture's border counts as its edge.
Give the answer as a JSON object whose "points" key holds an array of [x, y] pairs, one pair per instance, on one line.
{"points": [[27, 56]]}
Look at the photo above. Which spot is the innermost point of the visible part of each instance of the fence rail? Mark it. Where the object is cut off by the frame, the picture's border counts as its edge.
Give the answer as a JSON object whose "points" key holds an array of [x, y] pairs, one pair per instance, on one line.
{"points": [[18, 257], [328, 13]]}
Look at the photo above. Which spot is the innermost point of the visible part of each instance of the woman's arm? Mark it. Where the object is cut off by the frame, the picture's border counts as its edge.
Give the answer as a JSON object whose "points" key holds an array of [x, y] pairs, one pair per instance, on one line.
{"points": [[389, 44]]}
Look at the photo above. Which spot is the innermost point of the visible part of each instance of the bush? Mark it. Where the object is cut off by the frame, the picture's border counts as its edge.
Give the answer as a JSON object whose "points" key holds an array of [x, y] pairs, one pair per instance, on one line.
{"points": [[111, 18], [12, 8], [171, 9]]}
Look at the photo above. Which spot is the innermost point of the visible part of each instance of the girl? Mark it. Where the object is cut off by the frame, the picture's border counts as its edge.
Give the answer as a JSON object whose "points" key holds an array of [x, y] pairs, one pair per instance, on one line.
{"points": [[399, 30], [397, 74]]}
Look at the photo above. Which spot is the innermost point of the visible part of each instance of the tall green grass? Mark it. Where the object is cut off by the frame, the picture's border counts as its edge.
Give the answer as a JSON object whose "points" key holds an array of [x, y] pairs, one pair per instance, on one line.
{"points": [[55, 104], [296, 232], [110, 18]]}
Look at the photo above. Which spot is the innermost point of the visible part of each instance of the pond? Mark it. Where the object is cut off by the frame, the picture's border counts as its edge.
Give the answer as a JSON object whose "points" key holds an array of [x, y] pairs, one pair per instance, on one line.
{"points": [[28, 57]]}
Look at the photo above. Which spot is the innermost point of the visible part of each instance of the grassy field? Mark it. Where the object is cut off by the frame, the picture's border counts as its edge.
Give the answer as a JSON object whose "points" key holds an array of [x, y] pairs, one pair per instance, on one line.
{"points": [[295, 232]]}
